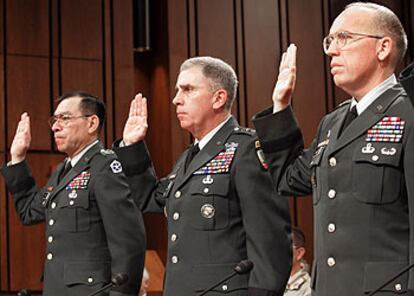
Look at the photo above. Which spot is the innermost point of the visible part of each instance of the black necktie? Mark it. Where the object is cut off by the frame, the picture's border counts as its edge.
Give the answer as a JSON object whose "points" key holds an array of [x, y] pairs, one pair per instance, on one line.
{"points": [[192, 152], [350, 116], [68, 167]]}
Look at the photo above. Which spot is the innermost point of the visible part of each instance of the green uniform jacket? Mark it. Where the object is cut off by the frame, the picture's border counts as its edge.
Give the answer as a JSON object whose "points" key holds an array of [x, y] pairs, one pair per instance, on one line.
{"points": [[93, 228], [363, 191], [221, 210], [407, 81]]}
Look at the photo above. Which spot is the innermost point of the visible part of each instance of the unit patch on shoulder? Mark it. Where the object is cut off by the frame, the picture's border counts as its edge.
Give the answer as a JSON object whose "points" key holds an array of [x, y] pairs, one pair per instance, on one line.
{"points": [[116, 167], [260, 155], [107, 152]]}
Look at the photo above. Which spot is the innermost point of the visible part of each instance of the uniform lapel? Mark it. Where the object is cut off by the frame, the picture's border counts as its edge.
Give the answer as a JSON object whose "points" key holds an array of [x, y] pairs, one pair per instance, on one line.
{"points": [[82, 165], [365, 120], [213, 147]]}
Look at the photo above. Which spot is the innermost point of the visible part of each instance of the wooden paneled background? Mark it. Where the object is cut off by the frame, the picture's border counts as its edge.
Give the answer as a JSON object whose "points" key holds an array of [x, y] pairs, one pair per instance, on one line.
{"points": [[48, 47]]}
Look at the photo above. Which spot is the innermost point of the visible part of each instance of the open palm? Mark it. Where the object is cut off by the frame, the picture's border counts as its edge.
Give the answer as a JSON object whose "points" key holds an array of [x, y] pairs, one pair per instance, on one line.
{"points": [[285, 85], [137, 123], [21, 140]]}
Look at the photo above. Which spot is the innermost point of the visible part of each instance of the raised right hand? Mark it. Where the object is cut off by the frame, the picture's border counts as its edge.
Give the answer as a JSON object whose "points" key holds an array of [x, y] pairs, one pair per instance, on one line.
{"points": [[21, 140], [285, 85], [136, 125]]}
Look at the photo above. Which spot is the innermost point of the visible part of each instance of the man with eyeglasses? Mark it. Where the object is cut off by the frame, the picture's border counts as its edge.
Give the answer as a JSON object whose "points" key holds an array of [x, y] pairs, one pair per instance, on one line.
{"points": [[94, 231], [360, 166]]}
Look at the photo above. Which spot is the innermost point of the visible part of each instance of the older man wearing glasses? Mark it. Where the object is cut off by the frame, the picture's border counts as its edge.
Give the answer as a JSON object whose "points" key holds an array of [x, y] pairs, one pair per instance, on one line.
{"points": [[94, 231], [360, 166]]}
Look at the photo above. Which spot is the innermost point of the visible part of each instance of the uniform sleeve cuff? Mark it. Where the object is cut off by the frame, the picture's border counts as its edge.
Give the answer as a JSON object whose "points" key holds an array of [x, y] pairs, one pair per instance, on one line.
{"points": [[277, 131], [17, 176], [135, 158]]}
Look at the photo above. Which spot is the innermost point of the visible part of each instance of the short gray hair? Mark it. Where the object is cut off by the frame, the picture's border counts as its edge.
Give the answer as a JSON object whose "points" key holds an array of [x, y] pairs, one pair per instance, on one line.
{"points": [[219, 72], [387, 23]]}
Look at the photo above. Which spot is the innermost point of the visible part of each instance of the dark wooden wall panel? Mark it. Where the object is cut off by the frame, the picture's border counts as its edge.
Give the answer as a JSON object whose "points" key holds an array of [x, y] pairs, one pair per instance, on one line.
{"points": [[27, 244], [81, 28], [3, 230], [2, 21], [28, 91], [123, 71], [216, 38], [2, 114], [262, 53], [178, 51], [157, 88], [310, 98], [82, 75], [28, 27]]}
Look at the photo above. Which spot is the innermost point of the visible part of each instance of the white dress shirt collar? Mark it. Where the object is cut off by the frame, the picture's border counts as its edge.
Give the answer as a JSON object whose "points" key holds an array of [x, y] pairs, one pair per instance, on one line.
{"points": [[203, 142], [74, 160], [373, 94]]}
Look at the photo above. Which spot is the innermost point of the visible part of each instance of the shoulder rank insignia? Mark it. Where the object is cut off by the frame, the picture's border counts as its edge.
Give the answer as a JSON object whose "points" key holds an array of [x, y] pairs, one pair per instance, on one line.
{"points": [[221, 163], [116, 166], [389, 129], [260, 155], [105, 152]]}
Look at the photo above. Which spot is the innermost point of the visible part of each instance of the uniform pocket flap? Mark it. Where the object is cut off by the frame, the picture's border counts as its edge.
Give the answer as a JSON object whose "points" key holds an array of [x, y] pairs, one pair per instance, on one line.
{"points": [[75, 199], [377, 273], [379, 154], [215, 184], [213, 273], [87, 273]]}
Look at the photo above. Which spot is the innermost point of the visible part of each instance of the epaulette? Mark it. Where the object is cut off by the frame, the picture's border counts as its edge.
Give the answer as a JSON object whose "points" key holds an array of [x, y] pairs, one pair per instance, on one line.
{"points": [[346, 102], [106, 152], [245, 130]]}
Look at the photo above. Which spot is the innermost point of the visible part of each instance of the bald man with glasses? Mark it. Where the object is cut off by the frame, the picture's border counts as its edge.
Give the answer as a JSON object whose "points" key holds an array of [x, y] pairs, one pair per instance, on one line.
{"points": [[360, 166]]}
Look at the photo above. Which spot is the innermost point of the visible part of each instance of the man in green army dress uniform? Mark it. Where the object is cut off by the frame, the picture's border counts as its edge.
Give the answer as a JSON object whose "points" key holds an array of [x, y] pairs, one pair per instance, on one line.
{"points": [[93, 228]]}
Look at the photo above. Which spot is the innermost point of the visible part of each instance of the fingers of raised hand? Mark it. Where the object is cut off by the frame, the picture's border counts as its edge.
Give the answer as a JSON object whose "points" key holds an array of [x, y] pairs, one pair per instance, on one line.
{"points": [[291, 56]]}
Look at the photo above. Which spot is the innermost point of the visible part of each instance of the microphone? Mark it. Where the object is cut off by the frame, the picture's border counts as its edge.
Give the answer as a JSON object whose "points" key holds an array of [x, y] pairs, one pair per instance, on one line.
{"points": [[117, 280], [242, 267], [24, 292], [392, 279]]}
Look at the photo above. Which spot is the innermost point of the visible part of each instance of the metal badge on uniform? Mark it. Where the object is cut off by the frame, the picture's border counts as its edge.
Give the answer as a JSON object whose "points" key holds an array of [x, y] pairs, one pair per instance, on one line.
{"points": [[260, 154], [388, 151], [389, 129], [208, 211], [73, 194], [81, 181], [221, 163], [46, 195], [208, 180], [321, 146], [368, 149], [116, 166]]}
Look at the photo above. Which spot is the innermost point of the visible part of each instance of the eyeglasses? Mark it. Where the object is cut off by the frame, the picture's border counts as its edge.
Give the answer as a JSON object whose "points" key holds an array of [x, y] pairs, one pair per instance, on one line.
{"points": [[64, 119], [342, 37]]}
